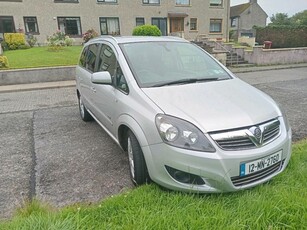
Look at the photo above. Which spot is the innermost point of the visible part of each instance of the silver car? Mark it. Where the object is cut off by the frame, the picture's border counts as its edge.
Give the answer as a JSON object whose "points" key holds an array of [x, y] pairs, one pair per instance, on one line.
{"points": [[185, 121]]}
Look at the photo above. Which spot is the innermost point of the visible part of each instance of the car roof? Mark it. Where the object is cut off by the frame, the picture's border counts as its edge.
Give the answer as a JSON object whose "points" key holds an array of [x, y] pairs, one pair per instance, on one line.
{"points": [[133, 39]]}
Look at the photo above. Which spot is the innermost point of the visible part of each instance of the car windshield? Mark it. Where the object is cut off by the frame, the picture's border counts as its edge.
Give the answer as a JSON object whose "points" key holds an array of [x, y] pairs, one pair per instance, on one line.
{"points": [[156, 64]]}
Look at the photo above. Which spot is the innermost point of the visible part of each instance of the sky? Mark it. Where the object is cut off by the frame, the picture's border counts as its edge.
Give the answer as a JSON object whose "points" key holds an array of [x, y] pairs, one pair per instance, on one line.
{"points": [[271, 7]]}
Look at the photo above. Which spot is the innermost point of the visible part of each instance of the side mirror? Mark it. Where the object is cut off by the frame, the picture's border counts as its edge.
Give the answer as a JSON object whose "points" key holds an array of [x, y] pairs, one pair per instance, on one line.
{"points": [[101, 78]]}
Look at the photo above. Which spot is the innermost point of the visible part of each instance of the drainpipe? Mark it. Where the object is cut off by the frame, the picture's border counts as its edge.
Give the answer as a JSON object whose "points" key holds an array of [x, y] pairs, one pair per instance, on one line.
{"points": [[227, 23]]}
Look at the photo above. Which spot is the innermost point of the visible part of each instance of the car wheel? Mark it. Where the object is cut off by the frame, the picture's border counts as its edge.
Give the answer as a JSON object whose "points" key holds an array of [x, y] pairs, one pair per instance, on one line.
{"points": [[138, 169], [85, 116]]}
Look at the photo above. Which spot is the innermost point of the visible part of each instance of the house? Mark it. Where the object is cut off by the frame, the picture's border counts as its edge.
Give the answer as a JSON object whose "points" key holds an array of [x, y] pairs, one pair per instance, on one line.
{"points": [[244, 16], [186, 18]]}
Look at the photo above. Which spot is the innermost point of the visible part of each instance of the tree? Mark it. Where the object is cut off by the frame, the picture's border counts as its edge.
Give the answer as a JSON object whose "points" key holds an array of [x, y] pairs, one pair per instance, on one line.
{"points": [[299, 18], [280, 19]]}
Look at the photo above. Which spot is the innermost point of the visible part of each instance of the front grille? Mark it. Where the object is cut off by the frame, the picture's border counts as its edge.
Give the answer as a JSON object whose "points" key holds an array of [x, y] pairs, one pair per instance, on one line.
{"points": [[236, 143], [245, 180], [271, 132], [244, 138]]}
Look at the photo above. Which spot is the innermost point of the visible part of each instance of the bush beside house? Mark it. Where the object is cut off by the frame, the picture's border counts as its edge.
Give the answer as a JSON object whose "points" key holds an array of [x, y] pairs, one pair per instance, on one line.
{"points": [[31, 40], [146, 30], [283, 36], [88, 35], [15, 41], [59, 40], [4, 64]]}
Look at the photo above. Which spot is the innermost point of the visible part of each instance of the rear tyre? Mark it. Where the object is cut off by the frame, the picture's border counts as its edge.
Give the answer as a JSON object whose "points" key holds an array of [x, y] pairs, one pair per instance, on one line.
{"points": [[138, 169], [85, 116]]}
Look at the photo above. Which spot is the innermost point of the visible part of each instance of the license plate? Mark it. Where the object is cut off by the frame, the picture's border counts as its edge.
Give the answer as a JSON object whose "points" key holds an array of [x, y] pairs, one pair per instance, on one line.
{"points": [[260, 164]]}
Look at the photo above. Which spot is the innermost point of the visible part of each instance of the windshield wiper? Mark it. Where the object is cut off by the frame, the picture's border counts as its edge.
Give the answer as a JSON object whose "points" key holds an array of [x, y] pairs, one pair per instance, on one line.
{"points": [[186, 81]]}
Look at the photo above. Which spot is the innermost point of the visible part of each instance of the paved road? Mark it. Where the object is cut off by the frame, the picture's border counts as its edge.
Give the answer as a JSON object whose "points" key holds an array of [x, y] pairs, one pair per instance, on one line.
{"points": [[49, 153]]}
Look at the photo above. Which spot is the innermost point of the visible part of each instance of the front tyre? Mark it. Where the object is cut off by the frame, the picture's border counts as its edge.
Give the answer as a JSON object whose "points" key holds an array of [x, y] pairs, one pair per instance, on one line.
{"points": [[85, 116], [138, 168]]}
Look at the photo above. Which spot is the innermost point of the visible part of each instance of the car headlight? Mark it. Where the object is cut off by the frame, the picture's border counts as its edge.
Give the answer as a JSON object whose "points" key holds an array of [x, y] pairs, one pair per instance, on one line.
{"points": [[182, 134]]}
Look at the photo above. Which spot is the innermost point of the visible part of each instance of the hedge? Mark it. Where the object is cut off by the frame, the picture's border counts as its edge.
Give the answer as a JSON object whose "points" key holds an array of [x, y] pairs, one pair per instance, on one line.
{"points": [[15, 40], [283, 36], [4, 64], [146, 30]]}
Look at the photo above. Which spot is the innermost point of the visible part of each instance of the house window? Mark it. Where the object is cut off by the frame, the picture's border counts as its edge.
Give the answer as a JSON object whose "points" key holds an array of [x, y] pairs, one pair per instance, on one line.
{"points": [[161, 23], [70, 25], [66, 1], [107, 1], [193, 24], [182, 2], [215, 25], [151, 1], [139, 21], [7, 24], [31, 25], [216, 2], [233, 22], [109, 26]]}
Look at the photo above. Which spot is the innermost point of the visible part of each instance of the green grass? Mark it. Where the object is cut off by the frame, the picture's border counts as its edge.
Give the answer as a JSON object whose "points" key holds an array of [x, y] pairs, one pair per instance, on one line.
{"points": [[279, 204], [42, 57]]}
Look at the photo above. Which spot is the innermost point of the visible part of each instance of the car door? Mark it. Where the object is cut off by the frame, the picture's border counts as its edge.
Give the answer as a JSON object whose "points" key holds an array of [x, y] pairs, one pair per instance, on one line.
{"points": [[87, 67], [106, 96]]}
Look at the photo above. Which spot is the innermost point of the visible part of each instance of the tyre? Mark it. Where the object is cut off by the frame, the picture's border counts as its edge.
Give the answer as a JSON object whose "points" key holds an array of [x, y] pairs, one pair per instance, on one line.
{"points": [[138, 169], [85, 116]]}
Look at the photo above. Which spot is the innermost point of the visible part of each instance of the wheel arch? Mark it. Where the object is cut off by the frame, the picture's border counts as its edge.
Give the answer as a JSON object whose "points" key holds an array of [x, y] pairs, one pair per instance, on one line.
{"points": [[126, 123]]}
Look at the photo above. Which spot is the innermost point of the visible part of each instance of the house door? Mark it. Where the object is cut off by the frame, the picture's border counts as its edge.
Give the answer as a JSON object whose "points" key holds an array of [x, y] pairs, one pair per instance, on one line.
{"points": [[177, 24], [161, 23]]}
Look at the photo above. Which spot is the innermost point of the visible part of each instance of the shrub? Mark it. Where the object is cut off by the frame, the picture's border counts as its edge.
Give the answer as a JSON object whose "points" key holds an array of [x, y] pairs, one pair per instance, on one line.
{"points": [[4, 63], [31, 40], [24, 47], [91, 33], [282, 36], [4, 45], [13, 47], [146, 30], [58, 40], [68, 41], [14, 40]]}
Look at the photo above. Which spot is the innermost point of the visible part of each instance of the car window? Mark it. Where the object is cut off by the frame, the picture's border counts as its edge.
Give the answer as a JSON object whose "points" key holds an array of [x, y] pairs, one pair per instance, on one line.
{"points": [[82, 61], [91, 57], [88, 57], [120, 81], [107, 60]]}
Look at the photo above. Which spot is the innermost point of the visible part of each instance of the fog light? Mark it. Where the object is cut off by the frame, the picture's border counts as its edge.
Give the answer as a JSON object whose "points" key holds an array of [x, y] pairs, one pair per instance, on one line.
{"points": [[184, 177]]}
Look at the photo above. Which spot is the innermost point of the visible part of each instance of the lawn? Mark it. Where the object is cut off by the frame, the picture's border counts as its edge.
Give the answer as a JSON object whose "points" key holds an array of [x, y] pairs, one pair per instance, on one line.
{"points": [[278, 204], [42, 57]]}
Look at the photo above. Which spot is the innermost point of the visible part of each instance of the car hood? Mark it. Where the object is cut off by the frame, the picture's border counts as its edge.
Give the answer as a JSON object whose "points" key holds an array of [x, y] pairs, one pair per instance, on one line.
{"points": [[214, 106]]}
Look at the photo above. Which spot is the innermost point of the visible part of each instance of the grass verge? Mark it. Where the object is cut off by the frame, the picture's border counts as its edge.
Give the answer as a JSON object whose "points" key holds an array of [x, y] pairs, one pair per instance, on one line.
{"points": [[278, 204], [42, 57]]}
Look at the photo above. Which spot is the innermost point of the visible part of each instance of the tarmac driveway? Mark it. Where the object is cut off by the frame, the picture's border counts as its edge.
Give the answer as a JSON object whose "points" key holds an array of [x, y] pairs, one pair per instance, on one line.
{"points": [[48, 152]]}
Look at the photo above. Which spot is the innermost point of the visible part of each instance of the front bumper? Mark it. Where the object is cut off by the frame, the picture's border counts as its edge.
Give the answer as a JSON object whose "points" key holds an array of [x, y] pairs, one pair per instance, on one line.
{"points": [[216, 169]]}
